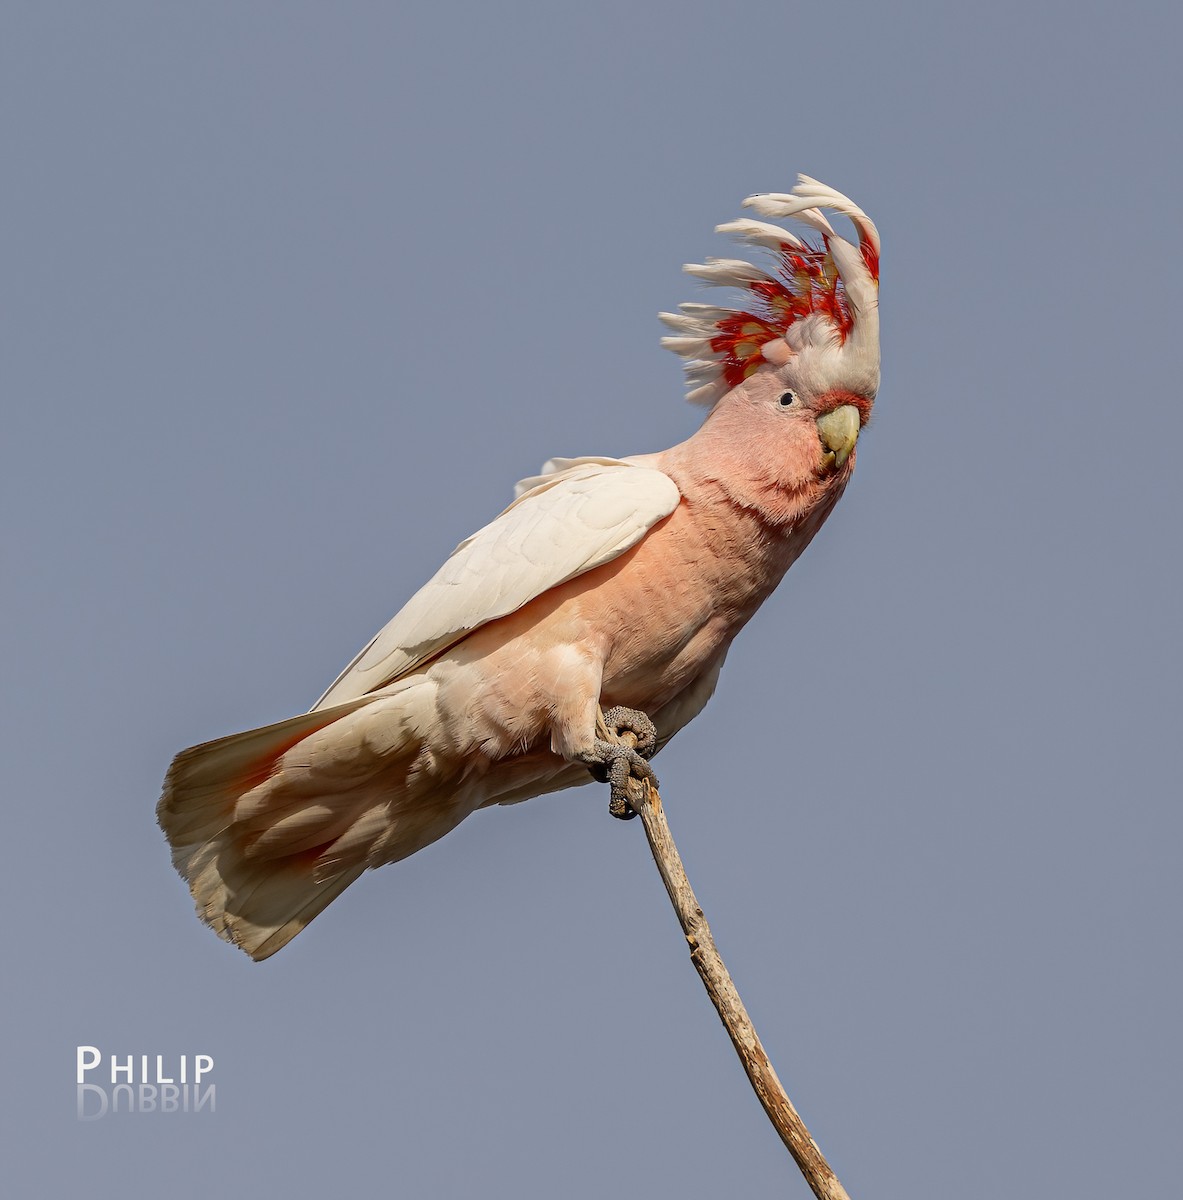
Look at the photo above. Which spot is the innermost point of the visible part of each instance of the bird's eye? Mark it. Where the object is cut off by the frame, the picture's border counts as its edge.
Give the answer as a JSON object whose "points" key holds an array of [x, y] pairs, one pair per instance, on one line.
{"points": [[787, 398]]}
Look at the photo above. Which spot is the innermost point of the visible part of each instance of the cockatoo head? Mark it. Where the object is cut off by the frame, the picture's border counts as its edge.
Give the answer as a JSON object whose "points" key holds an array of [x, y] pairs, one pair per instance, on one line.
{"points": [[813, 321]]}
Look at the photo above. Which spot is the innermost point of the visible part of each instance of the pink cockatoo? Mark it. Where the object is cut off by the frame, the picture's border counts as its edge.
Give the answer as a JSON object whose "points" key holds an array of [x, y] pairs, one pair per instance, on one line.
{"points": [[608, 584]]}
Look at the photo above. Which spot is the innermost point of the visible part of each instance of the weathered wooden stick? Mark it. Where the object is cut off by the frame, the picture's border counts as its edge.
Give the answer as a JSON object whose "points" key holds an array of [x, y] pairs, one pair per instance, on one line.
{"points": [[717, 981]]}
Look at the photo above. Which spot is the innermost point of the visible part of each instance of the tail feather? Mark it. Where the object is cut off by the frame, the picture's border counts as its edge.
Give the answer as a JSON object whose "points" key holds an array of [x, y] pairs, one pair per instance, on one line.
{"points": [[259, 881]]}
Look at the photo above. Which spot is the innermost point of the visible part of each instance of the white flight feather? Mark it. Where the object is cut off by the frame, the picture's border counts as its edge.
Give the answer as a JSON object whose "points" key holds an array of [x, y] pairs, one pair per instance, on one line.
{"points": [[566, 523]]}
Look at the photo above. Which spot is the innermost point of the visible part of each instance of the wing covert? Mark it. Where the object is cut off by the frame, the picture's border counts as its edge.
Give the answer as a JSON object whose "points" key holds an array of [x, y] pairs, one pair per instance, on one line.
{"points": [[566, 522]]}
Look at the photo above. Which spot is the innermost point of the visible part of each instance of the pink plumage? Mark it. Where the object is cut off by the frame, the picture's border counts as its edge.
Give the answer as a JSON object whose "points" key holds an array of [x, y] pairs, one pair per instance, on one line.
{"points": [[606, 583]]}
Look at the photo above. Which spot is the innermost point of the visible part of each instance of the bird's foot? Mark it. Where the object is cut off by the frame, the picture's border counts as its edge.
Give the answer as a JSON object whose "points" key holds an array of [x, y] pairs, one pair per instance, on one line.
{"points": [[625, 740], [620, 721]]}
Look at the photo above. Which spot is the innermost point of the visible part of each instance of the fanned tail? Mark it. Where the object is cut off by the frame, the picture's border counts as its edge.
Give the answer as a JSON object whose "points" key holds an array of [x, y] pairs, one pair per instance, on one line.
{"points": [[252, 852]]}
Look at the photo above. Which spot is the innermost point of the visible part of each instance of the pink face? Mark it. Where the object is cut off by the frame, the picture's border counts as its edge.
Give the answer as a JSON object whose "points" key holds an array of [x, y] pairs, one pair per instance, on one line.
{"points": [[782, 450]]}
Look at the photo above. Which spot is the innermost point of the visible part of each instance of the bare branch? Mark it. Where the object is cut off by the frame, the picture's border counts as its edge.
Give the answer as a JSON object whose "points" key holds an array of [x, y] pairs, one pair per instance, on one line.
{"points": [[647, 802]]}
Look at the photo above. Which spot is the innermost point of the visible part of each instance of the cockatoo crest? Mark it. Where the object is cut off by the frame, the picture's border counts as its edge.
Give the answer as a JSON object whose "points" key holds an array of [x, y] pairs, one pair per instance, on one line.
{"points": [[820, 307]]}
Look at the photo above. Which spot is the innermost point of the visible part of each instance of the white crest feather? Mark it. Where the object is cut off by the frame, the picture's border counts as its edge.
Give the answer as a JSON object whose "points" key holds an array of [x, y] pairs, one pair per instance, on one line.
{"points": [[807, 197], [760, 233], [727, 272], [826, 294]]}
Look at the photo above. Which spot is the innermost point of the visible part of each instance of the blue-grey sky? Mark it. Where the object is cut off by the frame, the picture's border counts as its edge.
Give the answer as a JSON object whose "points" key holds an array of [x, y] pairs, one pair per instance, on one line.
{"points": [[292, 294]]}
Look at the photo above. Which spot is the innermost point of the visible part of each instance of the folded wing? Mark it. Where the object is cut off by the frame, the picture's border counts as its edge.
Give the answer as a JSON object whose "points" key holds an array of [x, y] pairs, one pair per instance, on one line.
{"points": [[564, 523]]}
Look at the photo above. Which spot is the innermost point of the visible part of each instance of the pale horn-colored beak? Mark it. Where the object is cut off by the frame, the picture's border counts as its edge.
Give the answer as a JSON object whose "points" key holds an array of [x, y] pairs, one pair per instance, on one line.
{"points": [[838, 431]]}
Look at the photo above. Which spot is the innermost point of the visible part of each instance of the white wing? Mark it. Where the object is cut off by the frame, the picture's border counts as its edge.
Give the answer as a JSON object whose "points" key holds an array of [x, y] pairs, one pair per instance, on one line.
{"points": [[588, 512]]}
